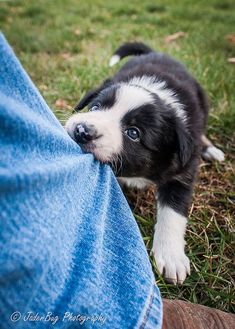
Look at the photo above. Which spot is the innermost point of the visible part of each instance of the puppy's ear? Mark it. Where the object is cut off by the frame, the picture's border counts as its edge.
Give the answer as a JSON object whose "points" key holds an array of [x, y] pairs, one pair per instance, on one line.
{"points": [[186, 146], [91, 95], [87, 99]]}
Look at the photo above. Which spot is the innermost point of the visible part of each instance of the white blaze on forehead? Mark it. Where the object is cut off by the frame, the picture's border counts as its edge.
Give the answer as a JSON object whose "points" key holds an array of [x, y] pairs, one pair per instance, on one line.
{"points": [[108, 122], [167, 95], [128, 98]]}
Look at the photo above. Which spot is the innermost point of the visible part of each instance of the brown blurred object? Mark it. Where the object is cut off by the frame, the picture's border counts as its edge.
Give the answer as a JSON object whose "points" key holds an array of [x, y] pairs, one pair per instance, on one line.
{"points": [[231, 60], [62, 104], [175, 36], [66, 55], [184, 315], [77, 32], [230, 38]]}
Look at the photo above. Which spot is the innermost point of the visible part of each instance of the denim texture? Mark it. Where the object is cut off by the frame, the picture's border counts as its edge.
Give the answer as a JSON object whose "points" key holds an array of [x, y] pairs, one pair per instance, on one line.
{"points": [[69, 245]]}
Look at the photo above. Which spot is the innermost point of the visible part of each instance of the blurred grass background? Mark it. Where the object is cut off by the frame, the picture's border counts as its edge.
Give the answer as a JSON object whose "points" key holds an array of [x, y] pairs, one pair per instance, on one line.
{"points": [[65, 47]]}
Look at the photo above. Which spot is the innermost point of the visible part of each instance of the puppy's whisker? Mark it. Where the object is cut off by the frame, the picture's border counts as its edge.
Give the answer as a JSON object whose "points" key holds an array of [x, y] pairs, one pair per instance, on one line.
{"points": [[121, 164], [116, 163]]}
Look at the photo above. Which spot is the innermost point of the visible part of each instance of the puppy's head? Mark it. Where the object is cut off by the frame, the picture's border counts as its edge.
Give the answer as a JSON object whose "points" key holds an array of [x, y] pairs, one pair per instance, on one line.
{"points": [[130, 128]]}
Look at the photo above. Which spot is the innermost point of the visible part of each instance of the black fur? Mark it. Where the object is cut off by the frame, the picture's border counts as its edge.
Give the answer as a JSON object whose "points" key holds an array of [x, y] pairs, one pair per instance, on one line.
{"points": [[133, 48], [169, 150]]}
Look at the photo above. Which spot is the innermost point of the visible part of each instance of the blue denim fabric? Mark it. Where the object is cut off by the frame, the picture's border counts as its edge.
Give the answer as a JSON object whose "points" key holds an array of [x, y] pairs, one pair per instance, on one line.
{"points": [[71, 252]]}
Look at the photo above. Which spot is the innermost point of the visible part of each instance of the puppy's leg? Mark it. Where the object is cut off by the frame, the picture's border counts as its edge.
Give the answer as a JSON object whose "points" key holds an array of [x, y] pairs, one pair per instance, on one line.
{"points": [[168, 243], [209, 151]]}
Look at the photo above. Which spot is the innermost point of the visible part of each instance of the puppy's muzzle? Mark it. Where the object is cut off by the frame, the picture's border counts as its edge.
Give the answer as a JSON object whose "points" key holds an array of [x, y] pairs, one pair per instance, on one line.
{"points": [[84, 133]]}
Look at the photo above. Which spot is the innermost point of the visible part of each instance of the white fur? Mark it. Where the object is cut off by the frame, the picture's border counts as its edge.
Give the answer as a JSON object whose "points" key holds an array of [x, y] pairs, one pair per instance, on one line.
{"points": [[213, 153], [205, 141], [137, 182], [107, 123], [168, 245], [130, 97], [114, 60], [168, 96]]}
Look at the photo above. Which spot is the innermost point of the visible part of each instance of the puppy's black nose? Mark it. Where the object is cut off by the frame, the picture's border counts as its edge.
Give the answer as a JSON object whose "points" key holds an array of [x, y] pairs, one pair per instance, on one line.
{"points": [[84, 133]]}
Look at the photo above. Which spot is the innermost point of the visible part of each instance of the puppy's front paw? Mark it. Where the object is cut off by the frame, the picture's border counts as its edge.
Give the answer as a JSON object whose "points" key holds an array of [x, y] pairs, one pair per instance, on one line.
{"points": [[171, 260], [213, 153]]}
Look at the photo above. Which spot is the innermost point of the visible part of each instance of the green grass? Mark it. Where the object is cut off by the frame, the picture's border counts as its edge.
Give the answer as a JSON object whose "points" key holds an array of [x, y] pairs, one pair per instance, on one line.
{"points": [[65, 46]]}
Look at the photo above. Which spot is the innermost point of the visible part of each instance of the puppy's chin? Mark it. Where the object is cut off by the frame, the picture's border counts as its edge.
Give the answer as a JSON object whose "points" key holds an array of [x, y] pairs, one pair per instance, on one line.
{"points": [[100, 153], [88, 148]]}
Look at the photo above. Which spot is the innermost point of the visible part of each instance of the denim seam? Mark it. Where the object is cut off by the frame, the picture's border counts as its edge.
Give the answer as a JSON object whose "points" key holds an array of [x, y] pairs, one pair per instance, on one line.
{"points": [[151, 317], [146, 316]]}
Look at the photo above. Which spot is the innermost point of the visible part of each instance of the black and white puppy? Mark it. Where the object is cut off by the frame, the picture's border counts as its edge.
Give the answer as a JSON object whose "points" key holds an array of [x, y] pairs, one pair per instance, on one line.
{"points": [[148, 122]]}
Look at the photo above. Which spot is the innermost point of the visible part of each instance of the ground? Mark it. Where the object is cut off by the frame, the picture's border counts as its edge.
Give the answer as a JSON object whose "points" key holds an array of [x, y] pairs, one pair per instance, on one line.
{"points": [[66, 45]]}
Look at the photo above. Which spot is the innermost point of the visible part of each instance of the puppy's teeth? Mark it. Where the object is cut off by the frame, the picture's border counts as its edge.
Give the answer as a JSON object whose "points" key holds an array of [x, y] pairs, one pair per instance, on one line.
{"points": [[114, 60]]}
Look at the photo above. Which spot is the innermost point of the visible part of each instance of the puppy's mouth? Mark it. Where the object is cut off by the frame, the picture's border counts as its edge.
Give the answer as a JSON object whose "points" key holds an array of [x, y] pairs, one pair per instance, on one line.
{"points": [[86, 137], [103, 139], [96, 148], [100, 153], [89, 147]]}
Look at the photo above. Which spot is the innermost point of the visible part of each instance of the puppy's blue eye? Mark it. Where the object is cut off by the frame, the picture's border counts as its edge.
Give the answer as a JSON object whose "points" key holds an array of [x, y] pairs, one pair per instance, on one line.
{"points": [[95, 107], [133, 133]]}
